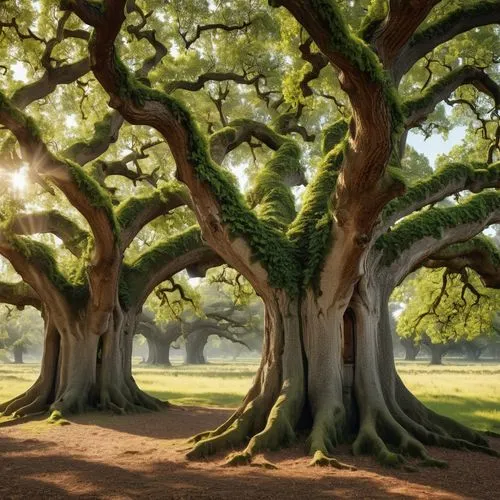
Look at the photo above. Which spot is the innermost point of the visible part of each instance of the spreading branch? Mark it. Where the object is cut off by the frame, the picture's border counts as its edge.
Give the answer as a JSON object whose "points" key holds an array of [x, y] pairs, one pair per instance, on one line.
{"points": [[419, 108], [19, 295], [134, 213], [447, 181], [417, 238], [479, 254], [51, 221], [459, 20]]}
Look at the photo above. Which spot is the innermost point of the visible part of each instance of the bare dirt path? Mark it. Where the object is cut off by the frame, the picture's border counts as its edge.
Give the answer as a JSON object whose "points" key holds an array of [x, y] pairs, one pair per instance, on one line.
{"points": [[140, 456]]}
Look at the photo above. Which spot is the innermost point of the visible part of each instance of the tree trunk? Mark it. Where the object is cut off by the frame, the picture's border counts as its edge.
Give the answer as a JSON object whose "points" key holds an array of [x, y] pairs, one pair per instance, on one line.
{"points": [[437, 352], [159, 351], [81, 370], [411, 349], [331, 372], [18, 354], [195, 345]]}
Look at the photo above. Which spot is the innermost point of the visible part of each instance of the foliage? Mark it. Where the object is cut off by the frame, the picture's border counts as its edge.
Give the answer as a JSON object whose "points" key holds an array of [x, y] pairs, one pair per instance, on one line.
{"points": [[446, 311]]}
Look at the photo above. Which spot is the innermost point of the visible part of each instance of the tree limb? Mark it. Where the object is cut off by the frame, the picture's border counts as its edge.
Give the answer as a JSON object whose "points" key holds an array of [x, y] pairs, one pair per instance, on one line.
{"points": [[479, 254], [19, 294], [51, 221], [460, 20], [419, 108]]}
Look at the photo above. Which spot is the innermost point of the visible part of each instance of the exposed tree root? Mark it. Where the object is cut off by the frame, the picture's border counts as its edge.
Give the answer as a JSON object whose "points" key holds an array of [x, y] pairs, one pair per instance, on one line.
{"points": [[379, 431], [327, 430], [321, 460]]}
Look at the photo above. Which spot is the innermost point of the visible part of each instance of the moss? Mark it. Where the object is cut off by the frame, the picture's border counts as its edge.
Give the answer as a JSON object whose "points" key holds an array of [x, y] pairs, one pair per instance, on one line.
{"points": [[42, 257], [128, 210], [311, 231], [95, 194], [428, 96], [21, 119], [359, 54], [377, 11], [268, 245], [433, 222], [271, 192], [133, 274], [102, 132], [482, 244], [467, 173], [451, 19], [333, 134]]}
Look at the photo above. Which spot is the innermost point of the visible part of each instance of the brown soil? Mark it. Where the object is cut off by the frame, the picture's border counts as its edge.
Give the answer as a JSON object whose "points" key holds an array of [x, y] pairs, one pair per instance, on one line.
{"points": [[141, 456]]}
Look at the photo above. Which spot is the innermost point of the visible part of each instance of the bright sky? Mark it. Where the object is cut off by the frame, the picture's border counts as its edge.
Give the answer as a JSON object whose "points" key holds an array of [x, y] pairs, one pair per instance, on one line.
{"points": [[436, 144]]}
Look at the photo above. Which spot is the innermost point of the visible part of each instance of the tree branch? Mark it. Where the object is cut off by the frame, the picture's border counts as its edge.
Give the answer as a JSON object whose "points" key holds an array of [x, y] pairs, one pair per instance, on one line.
{"points": [[418, 109], [161, 263], [219, 204], [446, 181], [211, 77], [479, 254], [134, 213], [460, 20], [416, 238], [106, 132], [19, 294], [51, 221]]}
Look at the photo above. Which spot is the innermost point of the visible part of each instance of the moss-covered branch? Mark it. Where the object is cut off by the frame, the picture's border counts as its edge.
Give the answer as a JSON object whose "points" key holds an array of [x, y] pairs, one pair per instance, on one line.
{"points": [[417, 109], [211, 76], [271, 194], [81, 190], [161, 262], [446, 181], [41, 88], [226, 215], [105, 133], [134, 213], [75, 239], [473, 14], [480, 254], [36, 264], [423, 234], [19, 294], [239, 132]]}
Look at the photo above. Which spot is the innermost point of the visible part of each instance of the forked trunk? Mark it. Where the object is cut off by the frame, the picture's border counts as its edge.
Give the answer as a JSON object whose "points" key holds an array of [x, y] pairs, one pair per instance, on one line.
{"points": [[81, 370], [330, 372]]}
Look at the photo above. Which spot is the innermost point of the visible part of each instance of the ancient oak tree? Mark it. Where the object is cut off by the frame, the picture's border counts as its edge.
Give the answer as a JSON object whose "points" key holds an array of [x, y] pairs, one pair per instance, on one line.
{"points": [[332, 93]]}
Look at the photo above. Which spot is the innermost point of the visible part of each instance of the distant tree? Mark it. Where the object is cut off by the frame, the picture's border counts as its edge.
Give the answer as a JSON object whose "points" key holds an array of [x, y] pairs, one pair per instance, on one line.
{"points": [[19, 330], [444, 309]]}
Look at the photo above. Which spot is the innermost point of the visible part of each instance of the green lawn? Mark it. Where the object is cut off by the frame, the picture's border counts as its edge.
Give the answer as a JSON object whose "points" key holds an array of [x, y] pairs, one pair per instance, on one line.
{"points": [[468, 392]]}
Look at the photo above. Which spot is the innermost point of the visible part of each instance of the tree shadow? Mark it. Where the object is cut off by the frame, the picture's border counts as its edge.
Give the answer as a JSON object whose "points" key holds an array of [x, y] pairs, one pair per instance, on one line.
{"points": [[29, 471]]}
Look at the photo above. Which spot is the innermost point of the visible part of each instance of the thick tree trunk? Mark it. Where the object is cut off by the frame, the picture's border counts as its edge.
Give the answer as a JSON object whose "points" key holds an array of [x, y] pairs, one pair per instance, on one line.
{"points": [[411, 349], [437, 352], [195, 345], [305, 383], [80, 370], [17, 351], [158, 352], [275, 403]]}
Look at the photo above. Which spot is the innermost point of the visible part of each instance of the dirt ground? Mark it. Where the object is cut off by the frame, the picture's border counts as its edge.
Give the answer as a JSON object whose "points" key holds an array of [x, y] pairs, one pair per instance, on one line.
{"points": [[141, 456]]}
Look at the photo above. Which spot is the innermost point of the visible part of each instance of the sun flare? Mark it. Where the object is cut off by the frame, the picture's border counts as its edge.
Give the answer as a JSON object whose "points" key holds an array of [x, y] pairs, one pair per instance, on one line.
{"points": [[19, 180]]}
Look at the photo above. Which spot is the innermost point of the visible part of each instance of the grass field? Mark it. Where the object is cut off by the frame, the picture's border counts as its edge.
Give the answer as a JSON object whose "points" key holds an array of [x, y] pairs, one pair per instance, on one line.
{"points": [[468, 392]]}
